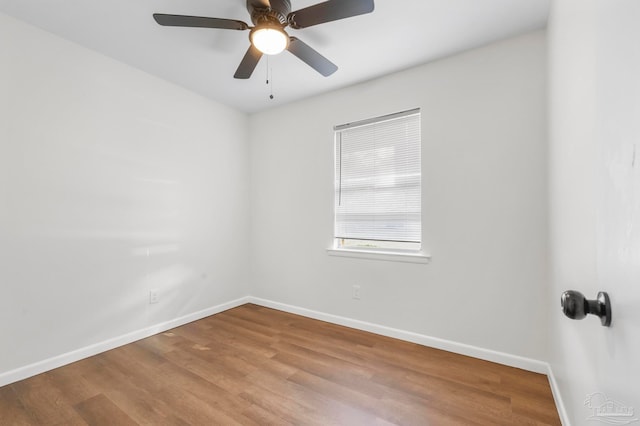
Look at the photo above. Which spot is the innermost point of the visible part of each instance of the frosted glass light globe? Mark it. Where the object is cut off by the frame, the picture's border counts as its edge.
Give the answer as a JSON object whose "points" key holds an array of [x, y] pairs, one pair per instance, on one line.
{"points": [[269, 41]]}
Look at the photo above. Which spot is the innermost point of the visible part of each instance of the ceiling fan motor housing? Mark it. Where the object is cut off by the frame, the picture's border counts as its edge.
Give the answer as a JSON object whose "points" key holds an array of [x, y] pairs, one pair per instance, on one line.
{"points": [[276, 13]]}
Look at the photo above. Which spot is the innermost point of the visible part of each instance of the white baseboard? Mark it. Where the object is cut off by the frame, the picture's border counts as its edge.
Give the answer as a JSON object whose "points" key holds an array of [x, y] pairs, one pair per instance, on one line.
{"points": [[82, 353], [433, 342], [557, 397]]}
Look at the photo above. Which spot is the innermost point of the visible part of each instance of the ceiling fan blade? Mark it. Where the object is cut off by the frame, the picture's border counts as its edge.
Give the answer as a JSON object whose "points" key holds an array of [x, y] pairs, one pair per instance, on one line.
{"points": [[328, 11], [249, 63], [312, 58], [199, 22]]}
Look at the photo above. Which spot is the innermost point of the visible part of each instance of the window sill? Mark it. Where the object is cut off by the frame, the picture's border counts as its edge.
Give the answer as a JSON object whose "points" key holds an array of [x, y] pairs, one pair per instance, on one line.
{"points": [[389, 256]]}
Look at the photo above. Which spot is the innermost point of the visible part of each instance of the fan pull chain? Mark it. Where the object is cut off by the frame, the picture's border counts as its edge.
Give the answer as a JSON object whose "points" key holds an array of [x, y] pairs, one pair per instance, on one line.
{"points": [[270, 80], [271, 85]]}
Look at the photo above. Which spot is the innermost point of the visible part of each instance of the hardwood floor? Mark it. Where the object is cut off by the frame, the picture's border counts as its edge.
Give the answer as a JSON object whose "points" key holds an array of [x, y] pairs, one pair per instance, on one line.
{"points": [[254, 365]]}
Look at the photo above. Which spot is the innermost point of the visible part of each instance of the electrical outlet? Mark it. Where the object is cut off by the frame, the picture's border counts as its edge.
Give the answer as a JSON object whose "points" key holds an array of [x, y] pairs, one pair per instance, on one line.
{"points": [[153, 296], [356, 292]]}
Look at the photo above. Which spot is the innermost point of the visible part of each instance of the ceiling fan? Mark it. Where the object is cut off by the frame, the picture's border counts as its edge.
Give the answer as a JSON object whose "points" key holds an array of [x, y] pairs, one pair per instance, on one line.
{"points": [[268, 35]]}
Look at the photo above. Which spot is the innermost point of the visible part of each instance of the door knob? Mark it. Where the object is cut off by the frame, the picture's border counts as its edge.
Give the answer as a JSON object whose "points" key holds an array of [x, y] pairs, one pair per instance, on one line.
{"points": [[576, 306]]}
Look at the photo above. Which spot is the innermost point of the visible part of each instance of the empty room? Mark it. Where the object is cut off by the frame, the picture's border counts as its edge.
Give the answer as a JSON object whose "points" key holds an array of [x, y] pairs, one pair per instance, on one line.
{"points": [[296, 212]]}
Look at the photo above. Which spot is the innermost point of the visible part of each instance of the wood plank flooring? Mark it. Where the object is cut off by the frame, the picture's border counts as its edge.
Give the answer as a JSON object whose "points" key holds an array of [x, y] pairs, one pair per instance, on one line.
{"points": [[254, 365]]}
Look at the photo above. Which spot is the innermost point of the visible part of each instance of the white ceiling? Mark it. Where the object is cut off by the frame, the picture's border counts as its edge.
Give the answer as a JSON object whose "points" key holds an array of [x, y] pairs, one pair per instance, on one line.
{"points": [[399, 34]]}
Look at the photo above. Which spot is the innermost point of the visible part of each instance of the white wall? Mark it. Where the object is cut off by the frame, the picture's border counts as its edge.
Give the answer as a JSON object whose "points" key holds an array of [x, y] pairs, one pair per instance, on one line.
{"points": [[484, 202], [112, 182], [595, 197]]}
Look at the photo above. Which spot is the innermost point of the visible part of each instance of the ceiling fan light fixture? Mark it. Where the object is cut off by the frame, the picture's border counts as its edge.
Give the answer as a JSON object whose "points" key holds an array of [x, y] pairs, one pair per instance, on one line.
{"points": [[268, 35], [270, 40]]}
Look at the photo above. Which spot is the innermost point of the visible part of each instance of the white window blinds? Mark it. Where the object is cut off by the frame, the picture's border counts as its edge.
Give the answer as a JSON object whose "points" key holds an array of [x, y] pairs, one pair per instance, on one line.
{"points": [[378, 179]]}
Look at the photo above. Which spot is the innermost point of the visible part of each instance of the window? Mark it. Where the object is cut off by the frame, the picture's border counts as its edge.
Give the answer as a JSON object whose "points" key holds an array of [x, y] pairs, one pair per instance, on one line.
{"points": [[378, 184]]}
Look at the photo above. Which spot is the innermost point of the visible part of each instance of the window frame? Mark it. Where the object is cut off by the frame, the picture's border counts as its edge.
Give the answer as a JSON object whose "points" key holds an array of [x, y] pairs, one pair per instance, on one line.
{"points": [[402, 254]]}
